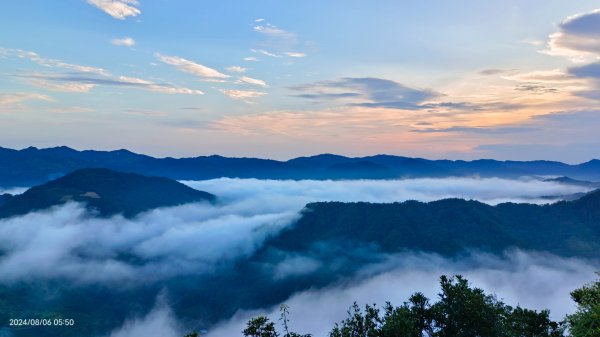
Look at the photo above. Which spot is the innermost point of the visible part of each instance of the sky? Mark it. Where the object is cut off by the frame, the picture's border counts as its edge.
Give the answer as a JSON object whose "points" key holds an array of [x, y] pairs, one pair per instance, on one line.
{"points": [[275, 79]]}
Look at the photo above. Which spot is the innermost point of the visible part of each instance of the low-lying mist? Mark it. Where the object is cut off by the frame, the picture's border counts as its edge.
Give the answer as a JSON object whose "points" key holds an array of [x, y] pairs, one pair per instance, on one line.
{"points": [[68, 244], [65, 242], [12, 190], [488, 190], [532, 280]]}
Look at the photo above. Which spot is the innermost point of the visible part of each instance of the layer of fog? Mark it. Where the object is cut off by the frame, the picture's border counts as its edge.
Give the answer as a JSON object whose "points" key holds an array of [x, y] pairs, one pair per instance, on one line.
{"points": [[12, 190], [488, 190], [534, 281], [160, 321], [65, 242]]}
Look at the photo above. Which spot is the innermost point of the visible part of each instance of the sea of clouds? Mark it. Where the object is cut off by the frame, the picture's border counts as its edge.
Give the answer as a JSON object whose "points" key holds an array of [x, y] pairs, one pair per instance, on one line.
{"points": [[532, 280], [66, 243]]}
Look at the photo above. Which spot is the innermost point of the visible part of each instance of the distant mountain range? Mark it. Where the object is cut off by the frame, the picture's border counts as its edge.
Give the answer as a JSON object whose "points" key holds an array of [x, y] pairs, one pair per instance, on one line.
{"points": [[104, 192], [32, 166]]}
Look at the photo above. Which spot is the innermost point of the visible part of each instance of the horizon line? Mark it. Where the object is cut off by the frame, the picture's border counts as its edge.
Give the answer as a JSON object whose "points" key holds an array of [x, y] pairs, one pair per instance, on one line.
{"points": [[287, 160]]}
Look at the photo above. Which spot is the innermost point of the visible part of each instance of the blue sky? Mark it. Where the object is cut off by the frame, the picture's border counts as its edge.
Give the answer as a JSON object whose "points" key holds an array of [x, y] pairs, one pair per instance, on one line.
{"points": [[278, 79]]}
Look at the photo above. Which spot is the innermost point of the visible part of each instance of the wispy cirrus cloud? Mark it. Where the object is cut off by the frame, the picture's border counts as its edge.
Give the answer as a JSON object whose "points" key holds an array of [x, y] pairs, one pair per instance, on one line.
{"points": [[191, 67], [69, 77], [126, 41], [265, 52], [118, 9], [243, 95], [82, 82], [49, 63], [52, 83], [277, 41], [253, 81], [159, 87], [274, 32], [577, 38], [293, 54], [236, 69], [8, 99]]}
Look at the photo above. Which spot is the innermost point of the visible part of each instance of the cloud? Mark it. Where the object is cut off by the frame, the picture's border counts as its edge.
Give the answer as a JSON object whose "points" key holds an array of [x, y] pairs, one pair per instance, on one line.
{"points": [[535, 88], [236, 69], [299, 193], [242, 95], [274, 32], [8, 99], [196, 241], [12, 190], [569, 132], [50, 63], [370, 92], [65, 243], [146, 113], [84, 250], [149, 85], [160, 321], [70, 109], [555, 76], [533, 42], [47, 82], [118, 9], [126, 41], [483, 130], [531, 280], [251, 59], [292, 54], [265, 52], [254, 81], [492, 71], [191, 67], [277, 42], [83, 82], [591, 70], [577, 38], [82, 79], [294, 266]]}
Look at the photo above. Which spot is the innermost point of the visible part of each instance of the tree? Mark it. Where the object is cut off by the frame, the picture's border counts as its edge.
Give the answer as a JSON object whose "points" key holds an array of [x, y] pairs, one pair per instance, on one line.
{"points": [[585, 322], [358, 324], [463, 311], [284, 310], [400, 322], [530, 323], [260, 326]]}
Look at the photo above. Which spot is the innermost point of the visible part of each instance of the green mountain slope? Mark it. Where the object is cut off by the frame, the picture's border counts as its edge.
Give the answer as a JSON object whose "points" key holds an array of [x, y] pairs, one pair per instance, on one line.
{"points": [[105, 192], [452, 225]]}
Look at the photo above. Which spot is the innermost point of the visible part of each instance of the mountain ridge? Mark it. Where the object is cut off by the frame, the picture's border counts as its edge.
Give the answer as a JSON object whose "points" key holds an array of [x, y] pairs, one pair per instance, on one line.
{"points": [[449, 226], [104, 192], [32, 166]]}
